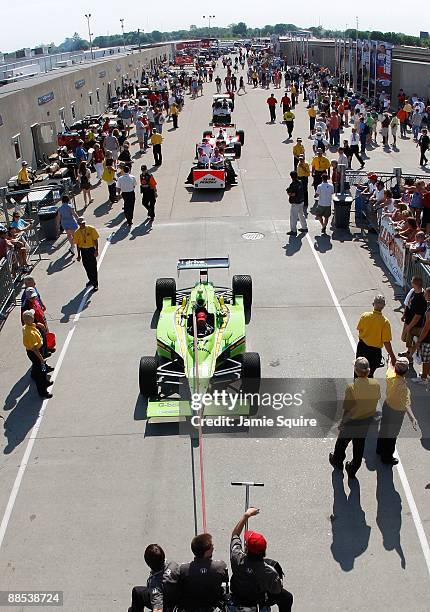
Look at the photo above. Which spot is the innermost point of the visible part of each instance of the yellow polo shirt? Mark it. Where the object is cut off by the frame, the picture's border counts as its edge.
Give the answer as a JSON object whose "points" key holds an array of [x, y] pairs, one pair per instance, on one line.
{"points": [[31, 337], [303, 169], [298, 149], [312, 112], [320, 163], [398, 395], [289, 116], [23, 177], [361, 399], [86, 238], [374, 329], [156, 139]]}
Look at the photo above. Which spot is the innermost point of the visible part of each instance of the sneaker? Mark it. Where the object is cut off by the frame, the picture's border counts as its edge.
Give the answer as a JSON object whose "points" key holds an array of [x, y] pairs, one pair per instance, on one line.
{"points": [[349, 470], [323, 230], [46, 395], [334, 463], [303, 230], [291, 233], [95, 288], [390, 461]]}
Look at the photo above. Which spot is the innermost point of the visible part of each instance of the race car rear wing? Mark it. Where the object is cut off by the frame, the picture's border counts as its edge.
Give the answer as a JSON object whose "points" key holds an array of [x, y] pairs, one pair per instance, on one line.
{"points": [[203, 264]]}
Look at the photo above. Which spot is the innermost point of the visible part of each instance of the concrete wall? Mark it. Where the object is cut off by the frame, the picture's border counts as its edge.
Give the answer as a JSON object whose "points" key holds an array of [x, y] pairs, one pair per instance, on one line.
{"points": [[21, 109], [413, 77]]}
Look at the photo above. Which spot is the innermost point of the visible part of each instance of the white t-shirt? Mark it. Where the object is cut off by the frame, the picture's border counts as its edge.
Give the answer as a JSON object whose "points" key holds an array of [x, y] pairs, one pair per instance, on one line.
{"points": [[126, 183], [325, 192]]}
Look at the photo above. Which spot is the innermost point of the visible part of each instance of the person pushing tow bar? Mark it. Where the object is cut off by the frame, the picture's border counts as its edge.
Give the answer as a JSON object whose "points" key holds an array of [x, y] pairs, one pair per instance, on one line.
{"points": [[256, 581]]}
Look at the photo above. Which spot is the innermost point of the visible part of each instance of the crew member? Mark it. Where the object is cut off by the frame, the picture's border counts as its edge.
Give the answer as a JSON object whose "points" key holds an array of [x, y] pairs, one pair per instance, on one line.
{"points": [[86, 239], [359, 409], [374, 332], [256, 580], [298, 150], [148, 189], [33, 342], [23, 178], [125, 186], [160, 592]]}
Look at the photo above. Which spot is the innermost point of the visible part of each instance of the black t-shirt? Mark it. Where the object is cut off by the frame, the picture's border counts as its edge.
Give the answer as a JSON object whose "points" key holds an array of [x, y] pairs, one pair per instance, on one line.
{"points": [[296, 187], [417, 306], [424, 141], [201, 583]]}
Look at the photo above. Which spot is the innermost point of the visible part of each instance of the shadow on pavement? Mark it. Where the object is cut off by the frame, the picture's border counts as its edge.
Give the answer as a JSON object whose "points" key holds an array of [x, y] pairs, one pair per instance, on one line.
{"points": [[206, 195], [47, 247], [71, 308], [389, 512], [140, 408], [120, 234], [103, 209], [141, 230], [323, 243], [294, 245], [348, 522], [22, 418], [116, 220], [63, 262], [17, 391]]}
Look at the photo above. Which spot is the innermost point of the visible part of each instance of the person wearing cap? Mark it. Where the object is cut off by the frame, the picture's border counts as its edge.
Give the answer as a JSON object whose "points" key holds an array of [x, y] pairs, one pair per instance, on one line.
{"points": [[33, 342], [29, 281], [156, 141], [23, 177], [397, 403], [200, 583], [320, 165], [312, 113], [148, 189], [296, 199], [126, 184], [86, 239], [256, 580], [271, 103], [303, 174], [324, 192], [289, 117], [359, 409], [374, 333], [298, 150]]}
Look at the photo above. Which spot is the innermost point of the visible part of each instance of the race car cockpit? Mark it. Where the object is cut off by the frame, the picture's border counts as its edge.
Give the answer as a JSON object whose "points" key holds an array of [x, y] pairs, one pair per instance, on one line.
{"points": [[205, 322]]}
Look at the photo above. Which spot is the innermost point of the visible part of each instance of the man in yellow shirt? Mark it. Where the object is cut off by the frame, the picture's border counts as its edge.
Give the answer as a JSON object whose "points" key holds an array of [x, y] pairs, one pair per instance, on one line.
{"points": [[23, 178], [293, 91], [359, 409], [298, 149], [32, 340], [312, 112], [86, 239], [374, 332], [397, 403], [320, 165], [303, 173], [289, 117], [156, 140]]}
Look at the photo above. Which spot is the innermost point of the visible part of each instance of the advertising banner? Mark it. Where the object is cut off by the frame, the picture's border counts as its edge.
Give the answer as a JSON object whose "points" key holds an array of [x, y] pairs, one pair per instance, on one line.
{"points": [[358, 66], [383, 68], [392, 250], [372, 69], [365, 70]]}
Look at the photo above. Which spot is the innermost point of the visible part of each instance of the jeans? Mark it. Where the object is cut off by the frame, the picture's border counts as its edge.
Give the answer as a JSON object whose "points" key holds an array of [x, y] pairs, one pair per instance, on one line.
{"points": [[335, 137], [415, 131], [296, 212]]}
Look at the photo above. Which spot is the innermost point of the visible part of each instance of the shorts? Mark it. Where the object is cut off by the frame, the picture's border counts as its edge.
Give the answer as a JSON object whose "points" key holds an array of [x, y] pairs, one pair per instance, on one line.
{"points": [[408, 337], [424, 352], [323, 211]]}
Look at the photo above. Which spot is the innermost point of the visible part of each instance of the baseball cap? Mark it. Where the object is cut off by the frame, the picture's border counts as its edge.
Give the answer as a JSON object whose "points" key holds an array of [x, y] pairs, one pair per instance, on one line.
{"points": [[81, 220], [255, 542], [301, 157], [372, 176], [30, 293], [24, 163]]}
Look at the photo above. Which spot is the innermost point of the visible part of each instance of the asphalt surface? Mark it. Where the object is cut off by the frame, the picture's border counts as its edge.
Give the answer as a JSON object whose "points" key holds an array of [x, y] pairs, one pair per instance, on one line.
{"points": [[101, 483]]}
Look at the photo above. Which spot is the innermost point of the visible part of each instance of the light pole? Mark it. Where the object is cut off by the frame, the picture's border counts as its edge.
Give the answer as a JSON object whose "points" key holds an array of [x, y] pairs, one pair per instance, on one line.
{"points": [[209, 17], [122, 28], [138, 36], [88, 16]]}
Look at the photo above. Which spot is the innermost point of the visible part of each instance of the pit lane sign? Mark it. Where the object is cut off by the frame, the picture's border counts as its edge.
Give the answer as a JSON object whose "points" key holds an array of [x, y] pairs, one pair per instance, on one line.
{"points": [[392, 250], [208, 178]]}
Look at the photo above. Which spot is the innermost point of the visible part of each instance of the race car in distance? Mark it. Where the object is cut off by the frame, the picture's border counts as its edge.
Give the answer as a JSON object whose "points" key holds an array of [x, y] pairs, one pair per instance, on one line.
{"points": [[222, 107], [200, 342]]}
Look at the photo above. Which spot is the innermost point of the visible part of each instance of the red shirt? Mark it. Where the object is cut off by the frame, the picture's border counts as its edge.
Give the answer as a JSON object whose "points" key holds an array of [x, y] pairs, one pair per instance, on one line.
{"points": [[98, 156], [285, 100], [272, 101]]}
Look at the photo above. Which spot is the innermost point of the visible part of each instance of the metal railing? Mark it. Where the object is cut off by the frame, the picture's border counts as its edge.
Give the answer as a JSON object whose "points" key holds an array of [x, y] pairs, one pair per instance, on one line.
{"points": [[7, 286], [414, 267]]}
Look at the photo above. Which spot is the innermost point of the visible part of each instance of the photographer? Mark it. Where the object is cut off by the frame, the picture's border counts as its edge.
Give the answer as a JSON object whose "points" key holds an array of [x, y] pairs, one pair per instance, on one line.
{"points": [[256, 580]]}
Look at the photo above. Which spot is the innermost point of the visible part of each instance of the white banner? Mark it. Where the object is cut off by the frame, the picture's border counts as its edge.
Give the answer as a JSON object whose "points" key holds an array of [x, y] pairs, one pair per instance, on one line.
{"points": [[392, 250]]}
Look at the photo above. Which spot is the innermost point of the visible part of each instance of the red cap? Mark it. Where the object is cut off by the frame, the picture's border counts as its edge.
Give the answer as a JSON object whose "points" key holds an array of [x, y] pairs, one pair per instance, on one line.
{"points": [[201, 316], [372, 176], [255, 542]]}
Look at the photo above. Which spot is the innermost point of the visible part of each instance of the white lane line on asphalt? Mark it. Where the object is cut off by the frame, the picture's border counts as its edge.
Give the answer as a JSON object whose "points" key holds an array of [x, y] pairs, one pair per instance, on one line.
{"points": [[35, 430], [402, 474]]}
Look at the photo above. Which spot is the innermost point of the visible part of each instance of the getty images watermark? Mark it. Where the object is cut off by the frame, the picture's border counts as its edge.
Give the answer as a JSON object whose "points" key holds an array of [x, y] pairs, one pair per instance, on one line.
{"points": [[232, 410]]}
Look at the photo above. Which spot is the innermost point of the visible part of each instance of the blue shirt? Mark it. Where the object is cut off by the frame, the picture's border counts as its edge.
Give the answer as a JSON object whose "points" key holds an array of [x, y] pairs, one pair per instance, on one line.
{"points": [[20, 224], [81, 154]]}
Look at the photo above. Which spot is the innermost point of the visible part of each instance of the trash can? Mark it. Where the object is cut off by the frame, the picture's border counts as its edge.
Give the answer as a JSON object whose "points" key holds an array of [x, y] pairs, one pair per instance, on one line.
{"points": [[342, 210], [50, 221]]}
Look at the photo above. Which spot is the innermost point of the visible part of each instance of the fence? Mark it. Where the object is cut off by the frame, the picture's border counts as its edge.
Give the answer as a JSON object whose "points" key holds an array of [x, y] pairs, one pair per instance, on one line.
{"points": [[414, 267]]}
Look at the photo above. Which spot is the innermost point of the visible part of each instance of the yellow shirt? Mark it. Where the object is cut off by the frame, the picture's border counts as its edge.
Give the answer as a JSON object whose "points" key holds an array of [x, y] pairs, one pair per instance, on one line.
{"points": [[374, 329], [320, 163], [86, 237], [361, 399], [173, 109], [298, 149], [31, 337], [398, 395], [156, 139], [303, 169], [407, 108], [312, 112], [293, 89], [289, 116], [23, 177]]}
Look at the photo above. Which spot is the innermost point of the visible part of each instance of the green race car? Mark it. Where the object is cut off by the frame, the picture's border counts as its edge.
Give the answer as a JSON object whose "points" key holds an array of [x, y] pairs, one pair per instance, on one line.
{"points": [[200, 341]]}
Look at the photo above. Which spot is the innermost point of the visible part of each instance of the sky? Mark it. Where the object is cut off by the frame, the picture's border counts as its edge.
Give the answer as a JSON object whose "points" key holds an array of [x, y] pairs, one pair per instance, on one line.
{"points": [[53, 20]]}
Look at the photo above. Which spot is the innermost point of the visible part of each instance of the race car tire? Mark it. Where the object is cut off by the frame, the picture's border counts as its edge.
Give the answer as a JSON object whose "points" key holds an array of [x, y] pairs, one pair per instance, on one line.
{"points": [[164, 288], [237, 150], [148, 376], [242, 285], [241, 135], [251, 372], [207, 134]]}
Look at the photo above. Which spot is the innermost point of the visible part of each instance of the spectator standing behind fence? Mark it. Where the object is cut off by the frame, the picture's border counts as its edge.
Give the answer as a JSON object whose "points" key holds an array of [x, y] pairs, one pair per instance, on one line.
{"points": [[397, 403], [359, 409], [86, 240], [32, 340], [255, 580], [374, 332], [69, 221]]}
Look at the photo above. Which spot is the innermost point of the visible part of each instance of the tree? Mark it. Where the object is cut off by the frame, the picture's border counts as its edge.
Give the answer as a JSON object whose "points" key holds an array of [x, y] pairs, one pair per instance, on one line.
{"points": [[239, 29], [193, 27], [156, 36]]}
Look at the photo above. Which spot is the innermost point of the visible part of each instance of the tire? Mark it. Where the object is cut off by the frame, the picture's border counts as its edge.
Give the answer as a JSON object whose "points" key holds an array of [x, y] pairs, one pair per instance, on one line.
{"points": [[241, 135], [251, 372], [207, 133], [237, 150], [242, 285], [148, 376], [164, 288]]}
